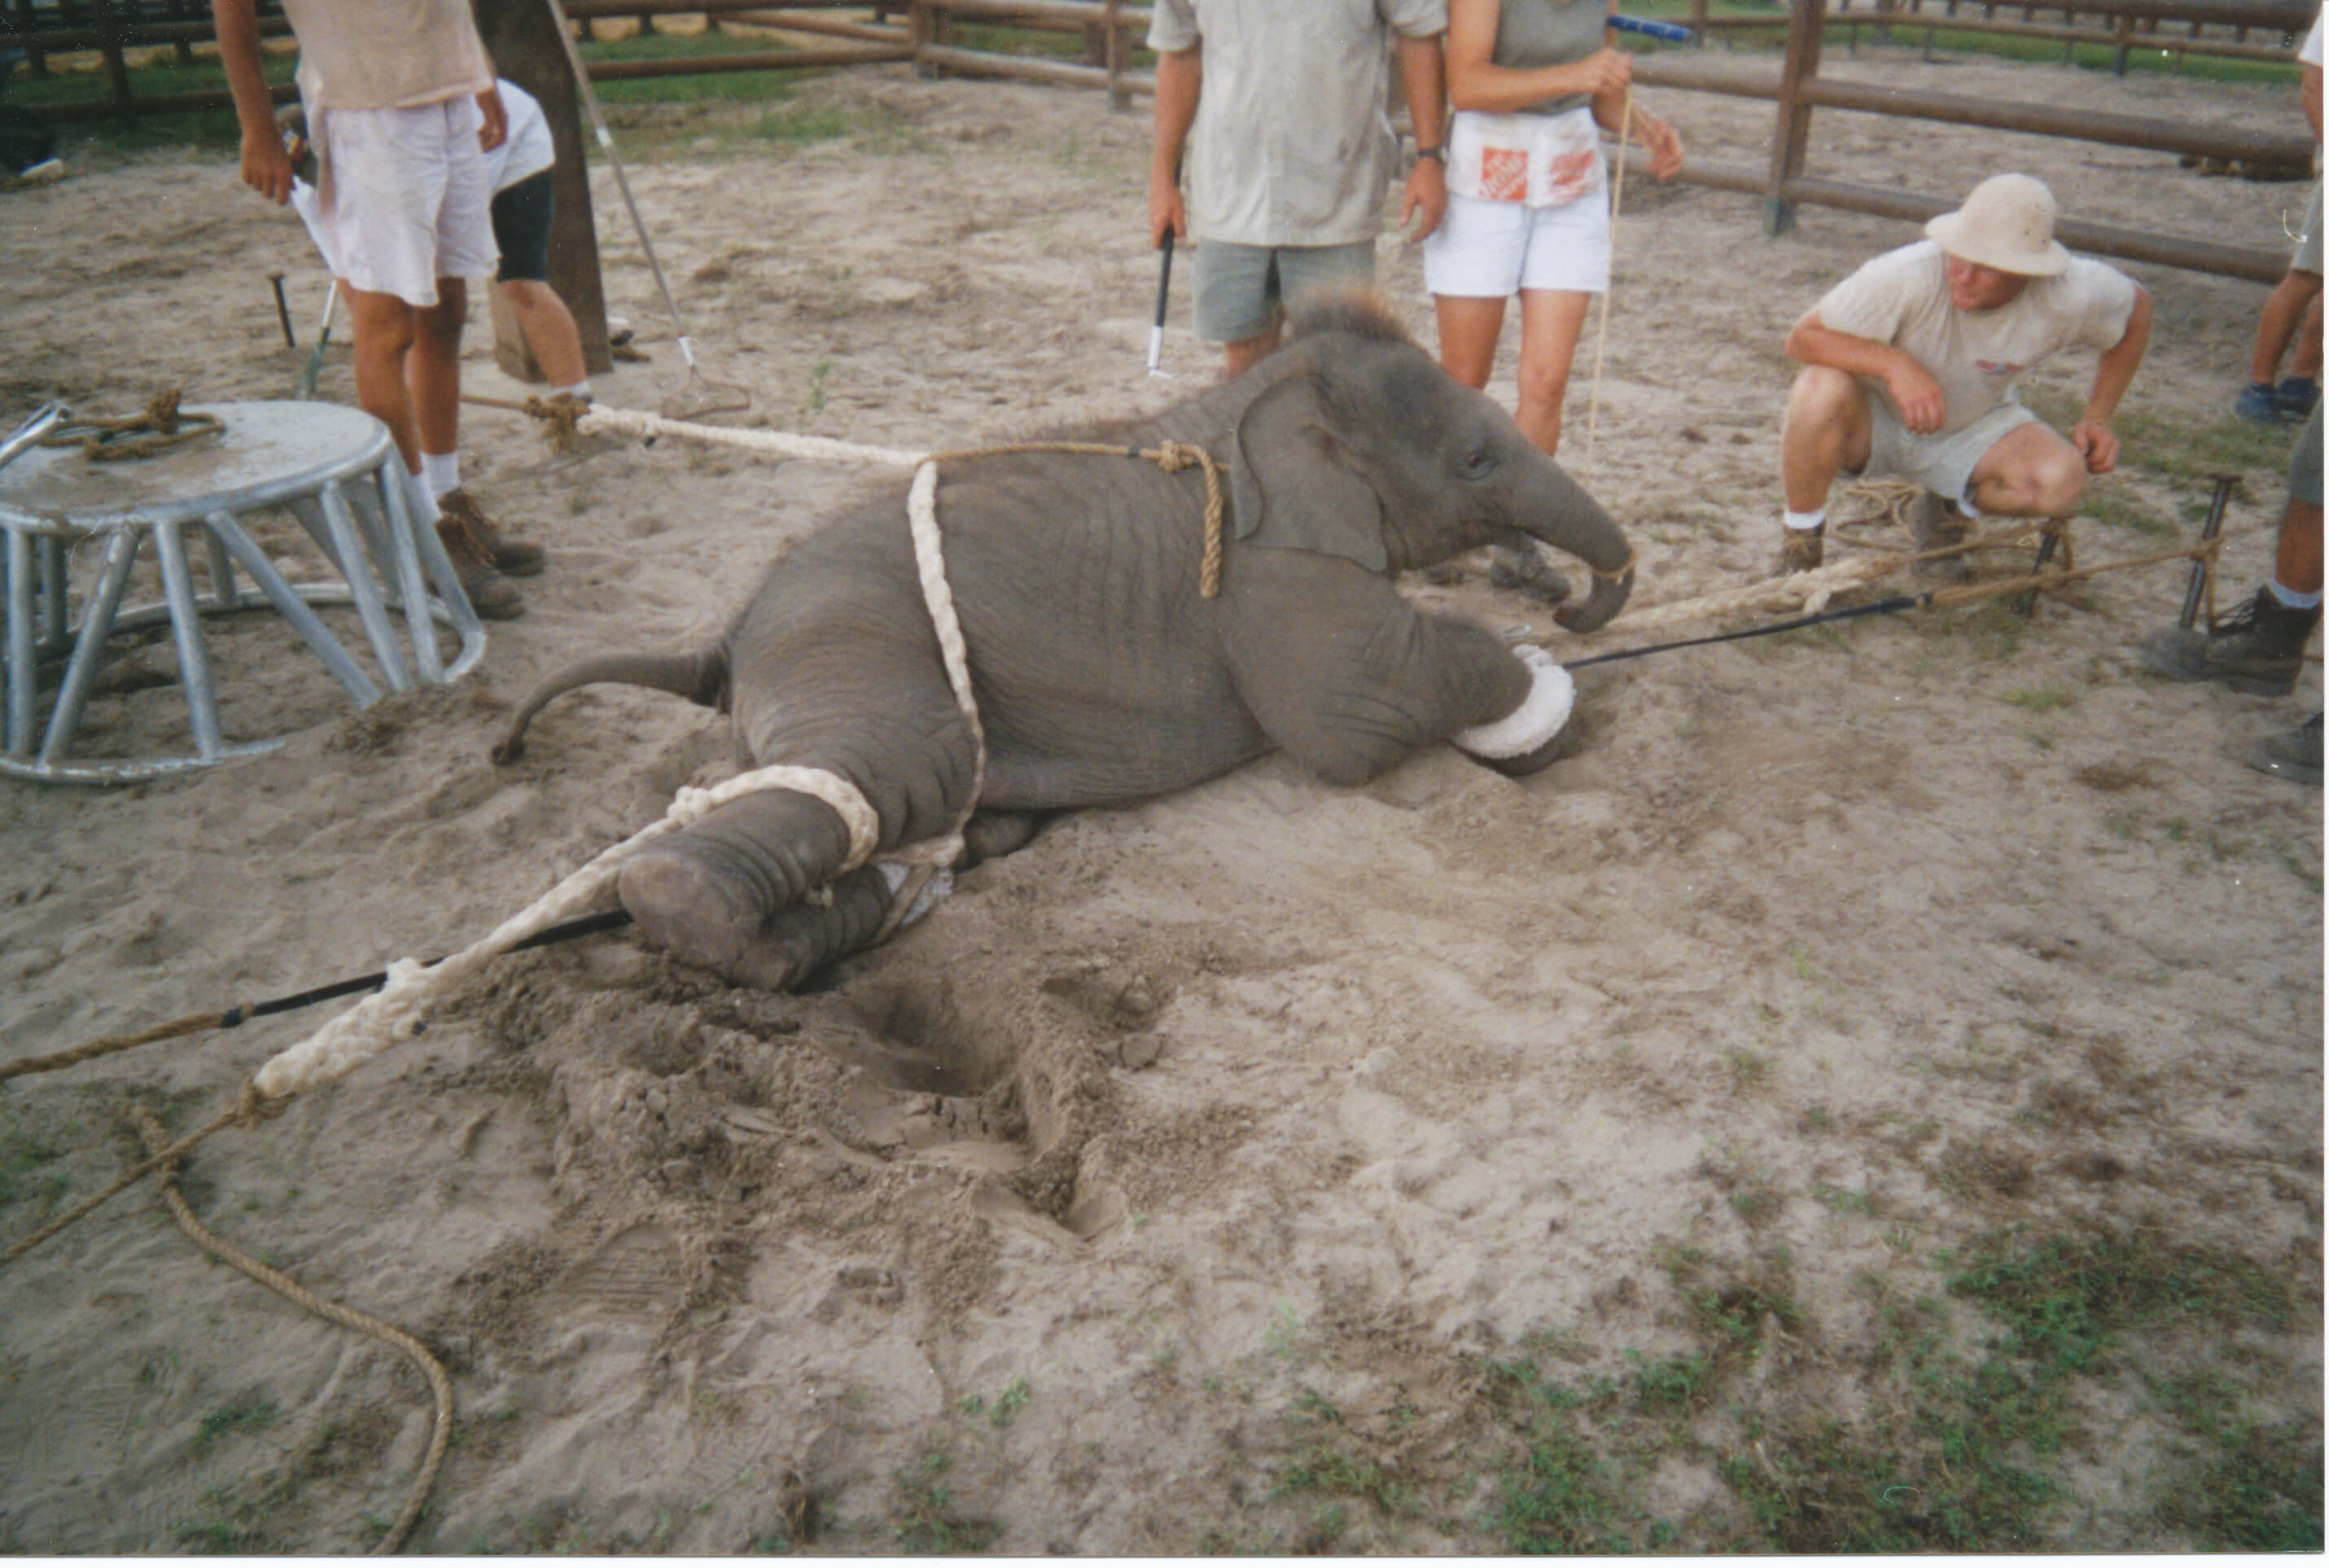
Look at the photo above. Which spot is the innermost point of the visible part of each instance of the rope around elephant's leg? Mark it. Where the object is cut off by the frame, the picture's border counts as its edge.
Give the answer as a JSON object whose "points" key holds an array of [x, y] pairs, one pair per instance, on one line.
{"points": [[440, 1386]]}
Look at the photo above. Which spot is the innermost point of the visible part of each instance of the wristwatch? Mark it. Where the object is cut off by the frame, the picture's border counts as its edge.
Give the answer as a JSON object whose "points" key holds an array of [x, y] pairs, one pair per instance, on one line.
{"points": [[1437, 155]]}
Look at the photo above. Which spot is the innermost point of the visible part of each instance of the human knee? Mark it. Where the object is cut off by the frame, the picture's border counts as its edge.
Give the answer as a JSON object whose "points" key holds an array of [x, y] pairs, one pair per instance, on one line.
{"points": [[1546, 385], [1822, 399]]}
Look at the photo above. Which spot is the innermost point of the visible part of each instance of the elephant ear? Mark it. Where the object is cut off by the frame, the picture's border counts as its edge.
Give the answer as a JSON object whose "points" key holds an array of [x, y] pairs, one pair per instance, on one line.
{"points": [[1291, 482]]}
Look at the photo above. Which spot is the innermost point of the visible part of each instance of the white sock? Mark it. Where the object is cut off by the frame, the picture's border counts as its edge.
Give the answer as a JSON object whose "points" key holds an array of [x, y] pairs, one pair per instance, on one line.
{"points": [[580, 389], [441, 471], [2294, 599], [423, 499], [1804, 519]]}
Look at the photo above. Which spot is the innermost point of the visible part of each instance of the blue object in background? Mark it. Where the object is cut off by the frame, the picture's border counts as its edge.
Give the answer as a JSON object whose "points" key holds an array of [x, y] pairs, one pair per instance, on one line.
{"points": [[1672, 31]]}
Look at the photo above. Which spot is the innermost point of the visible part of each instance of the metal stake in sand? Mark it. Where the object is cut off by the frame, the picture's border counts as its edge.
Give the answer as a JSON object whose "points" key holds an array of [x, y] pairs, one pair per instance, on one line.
{"points": [[622, 183], [314, 366]]}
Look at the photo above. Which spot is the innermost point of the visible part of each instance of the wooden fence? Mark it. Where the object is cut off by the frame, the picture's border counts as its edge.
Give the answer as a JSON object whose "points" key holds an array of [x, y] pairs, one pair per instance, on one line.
{"points": [[934, 36], [2232, 32]]}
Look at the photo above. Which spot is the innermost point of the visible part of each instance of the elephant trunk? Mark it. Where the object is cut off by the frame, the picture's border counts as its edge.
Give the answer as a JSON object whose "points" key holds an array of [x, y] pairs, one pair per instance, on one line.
{"points": [[1571, 521]]}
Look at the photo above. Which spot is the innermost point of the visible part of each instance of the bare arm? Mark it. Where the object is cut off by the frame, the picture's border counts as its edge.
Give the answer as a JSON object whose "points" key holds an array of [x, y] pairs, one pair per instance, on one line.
{"points": [[1475, 81], [495, 131], [265, 166], [2113, 375], [2308, 93], [1180, 79], [1913, 389], [1422, 76]]}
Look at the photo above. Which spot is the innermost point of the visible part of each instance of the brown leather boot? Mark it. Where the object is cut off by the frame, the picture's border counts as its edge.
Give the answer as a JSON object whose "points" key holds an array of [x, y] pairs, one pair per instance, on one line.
{"points": [[490, 594], [511, 557], [1801, 549]]}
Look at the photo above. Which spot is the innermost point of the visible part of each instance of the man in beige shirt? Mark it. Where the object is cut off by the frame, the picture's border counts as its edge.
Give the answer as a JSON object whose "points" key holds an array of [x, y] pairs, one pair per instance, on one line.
{"points": [[1910, 366], [1284, 110], [401, 105]]}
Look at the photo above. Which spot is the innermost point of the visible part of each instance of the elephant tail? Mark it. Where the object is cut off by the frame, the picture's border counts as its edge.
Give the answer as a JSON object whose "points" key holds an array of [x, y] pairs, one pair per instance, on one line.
{"points": [[700, 677]]}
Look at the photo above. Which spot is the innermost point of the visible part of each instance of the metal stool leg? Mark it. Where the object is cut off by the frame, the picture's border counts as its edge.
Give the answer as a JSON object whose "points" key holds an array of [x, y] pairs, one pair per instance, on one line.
{"points": [[224, 595], [96, 625], [292, 607], [20, 642], [362, 589], [186, 628]]}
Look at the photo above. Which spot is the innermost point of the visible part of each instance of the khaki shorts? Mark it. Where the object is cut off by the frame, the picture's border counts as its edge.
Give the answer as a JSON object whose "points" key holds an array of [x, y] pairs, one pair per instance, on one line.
{"points": [[1240, 291], [2308, 247], [410, 201], [1943, 463]]}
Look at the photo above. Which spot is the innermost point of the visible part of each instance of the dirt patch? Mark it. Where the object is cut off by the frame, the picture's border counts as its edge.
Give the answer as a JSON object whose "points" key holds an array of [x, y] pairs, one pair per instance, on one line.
{"points": [[1676, 1150]]}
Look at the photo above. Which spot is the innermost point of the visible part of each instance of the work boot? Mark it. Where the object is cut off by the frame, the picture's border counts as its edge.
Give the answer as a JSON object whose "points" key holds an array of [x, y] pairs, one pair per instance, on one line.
{"points": [[511, 557], [2291, 754], [2257, 401], [490, 594], [1800, 549], [2258, 648], [1936, 525], [2296, 395]]}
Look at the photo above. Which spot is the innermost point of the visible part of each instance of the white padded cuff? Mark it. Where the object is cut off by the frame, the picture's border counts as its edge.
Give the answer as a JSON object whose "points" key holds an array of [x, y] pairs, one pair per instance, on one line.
{"points": [[1538, 719]]}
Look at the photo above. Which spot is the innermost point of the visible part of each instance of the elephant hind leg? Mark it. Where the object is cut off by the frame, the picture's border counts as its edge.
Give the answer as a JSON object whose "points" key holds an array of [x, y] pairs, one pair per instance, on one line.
{"points": [[708, 893]]}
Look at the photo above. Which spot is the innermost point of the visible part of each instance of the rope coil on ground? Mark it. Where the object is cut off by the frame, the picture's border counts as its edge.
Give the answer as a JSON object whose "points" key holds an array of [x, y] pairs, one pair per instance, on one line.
{"points": [[440, 1386]]}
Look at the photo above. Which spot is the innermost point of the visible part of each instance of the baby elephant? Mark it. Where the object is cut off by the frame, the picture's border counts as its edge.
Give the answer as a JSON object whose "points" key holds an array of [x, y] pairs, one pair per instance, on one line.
{"points": [[1101, 670]]}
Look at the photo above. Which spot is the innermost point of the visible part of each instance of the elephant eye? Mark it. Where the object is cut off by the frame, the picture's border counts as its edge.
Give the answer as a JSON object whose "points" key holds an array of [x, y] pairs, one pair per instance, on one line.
{"points": [[1477, 464]]}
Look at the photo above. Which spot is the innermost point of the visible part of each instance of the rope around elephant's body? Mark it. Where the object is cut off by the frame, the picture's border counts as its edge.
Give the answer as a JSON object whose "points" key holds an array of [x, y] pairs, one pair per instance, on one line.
{"points": [[1170, 455]]}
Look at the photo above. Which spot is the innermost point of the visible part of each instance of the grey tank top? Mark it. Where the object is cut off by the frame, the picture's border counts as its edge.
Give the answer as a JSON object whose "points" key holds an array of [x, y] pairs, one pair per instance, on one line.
{"points": [[1533, 33]]}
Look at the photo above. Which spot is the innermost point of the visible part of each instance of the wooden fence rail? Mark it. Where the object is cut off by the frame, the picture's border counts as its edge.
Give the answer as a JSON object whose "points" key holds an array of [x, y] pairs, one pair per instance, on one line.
{"points": [[1110, 30]]}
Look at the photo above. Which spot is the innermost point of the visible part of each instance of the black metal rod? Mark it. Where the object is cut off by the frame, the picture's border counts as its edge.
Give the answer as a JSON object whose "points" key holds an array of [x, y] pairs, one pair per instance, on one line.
{"points": [[2225, 485], [1851, 612]]}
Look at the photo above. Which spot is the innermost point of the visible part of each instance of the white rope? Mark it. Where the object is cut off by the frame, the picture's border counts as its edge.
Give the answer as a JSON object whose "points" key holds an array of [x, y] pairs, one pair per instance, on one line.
{"points": [[397, 1010], [632, 422]]}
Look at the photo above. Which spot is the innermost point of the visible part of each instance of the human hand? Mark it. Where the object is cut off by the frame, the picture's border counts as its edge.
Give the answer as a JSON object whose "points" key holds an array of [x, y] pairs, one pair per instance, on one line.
{"points": [[1923, 407], [265, 166], [1659, 141], [1604, 73], [1167, 215], [2096, 444], [495, 130], [1426, 201]]}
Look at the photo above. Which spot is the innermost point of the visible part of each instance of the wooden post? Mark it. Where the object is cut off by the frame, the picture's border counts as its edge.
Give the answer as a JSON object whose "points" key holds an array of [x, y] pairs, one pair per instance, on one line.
{"points": [[522, 38], [1791, 136], [1119, 97], [117, 67]]}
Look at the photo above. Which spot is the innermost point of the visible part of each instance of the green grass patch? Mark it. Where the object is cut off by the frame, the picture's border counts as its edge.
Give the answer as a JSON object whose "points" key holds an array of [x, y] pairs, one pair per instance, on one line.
{"points": [[929, 1522], [246, 1416]]}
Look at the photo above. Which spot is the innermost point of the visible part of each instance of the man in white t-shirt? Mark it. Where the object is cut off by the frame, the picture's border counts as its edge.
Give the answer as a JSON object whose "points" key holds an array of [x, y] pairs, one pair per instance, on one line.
{"points": [[1910, 366]]}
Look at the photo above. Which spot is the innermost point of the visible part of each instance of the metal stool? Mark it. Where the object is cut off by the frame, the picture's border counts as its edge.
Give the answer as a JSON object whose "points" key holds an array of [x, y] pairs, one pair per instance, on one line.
{"points": [[335, 468]]}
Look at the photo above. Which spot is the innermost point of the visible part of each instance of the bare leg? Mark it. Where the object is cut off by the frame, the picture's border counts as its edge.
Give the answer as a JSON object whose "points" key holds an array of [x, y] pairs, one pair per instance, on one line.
{"points": [[432, 369], [2030, 472], [549, 328], [1551, 321], [385, 329], [2305, 360], [2297, 565], [1238, 355], [1469, 326], [2285, 310], [1827, 433]]}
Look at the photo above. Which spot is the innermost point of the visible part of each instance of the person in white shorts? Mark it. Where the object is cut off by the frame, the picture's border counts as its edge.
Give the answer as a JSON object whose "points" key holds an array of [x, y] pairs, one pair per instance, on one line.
{"points": [[401, 105], [1534, 83], [1910, 366]]}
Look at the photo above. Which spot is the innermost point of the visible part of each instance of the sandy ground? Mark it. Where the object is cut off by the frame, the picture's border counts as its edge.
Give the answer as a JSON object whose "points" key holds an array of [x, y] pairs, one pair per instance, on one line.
{"points": [[1210, 1136]]}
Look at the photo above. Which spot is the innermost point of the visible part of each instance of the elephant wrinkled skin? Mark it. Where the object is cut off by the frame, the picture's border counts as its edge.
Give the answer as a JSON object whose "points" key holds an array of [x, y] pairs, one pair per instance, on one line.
{"points": [[1100, 673]]}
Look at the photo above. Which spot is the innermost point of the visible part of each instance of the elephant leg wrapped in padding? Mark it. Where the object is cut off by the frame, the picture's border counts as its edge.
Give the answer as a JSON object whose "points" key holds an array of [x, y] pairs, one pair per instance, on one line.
{"points": [[705, 893]]}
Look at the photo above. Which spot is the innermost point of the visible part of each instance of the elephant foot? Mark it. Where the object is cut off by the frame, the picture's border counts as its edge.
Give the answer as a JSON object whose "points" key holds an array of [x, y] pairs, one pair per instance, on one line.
{"points": [[684, 907]]}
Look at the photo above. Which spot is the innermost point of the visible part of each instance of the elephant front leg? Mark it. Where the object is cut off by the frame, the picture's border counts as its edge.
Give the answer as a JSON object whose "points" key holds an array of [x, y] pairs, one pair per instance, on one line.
{"points": [[710, 894]]}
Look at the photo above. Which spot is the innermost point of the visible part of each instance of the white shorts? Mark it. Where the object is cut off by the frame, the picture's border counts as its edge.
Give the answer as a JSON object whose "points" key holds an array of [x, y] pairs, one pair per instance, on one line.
{"points": [[1488, 250], [1943, 464], [409, 203]]}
